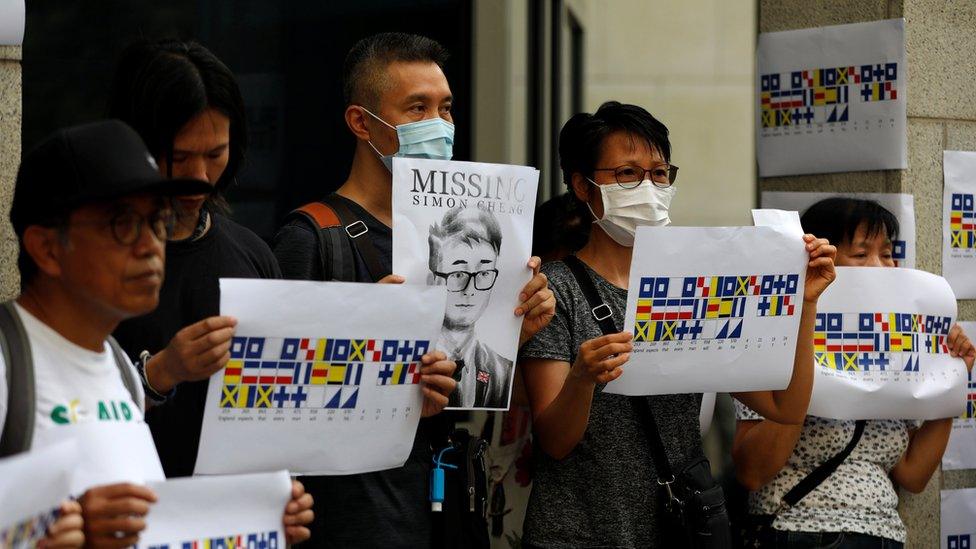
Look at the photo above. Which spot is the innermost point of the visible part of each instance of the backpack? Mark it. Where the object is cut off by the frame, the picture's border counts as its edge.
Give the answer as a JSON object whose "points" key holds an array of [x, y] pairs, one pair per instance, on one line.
{"points": [[337, 233], [18, 428]]}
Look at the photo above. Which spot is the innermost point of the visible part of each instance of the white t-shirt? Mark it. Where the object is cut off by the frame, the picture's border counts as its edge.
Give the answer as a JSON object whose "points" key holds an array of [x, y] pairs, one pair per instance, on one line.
{"points": [[72, 384]]}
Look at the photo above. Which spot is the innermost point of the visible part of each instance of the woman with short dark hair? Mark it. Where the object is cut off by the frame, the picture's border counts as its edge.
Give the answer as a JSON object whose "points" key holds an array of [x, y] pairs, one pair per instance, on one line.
{"points": [[595, 483], [857, 505]]}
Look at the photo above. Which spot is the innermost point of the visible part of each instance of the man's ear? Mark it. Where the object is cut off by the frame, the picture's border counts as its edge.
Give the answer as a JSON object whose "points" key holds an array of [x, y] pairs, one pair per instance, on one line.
{"points": [[44, 245], [356, 121]]}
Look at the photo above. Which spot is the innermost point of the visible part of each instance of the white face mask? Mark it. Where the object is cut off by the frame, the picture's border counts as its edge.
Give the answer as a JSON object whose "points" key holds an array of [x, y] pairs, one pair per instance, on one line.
{"points": [[626, 209]]}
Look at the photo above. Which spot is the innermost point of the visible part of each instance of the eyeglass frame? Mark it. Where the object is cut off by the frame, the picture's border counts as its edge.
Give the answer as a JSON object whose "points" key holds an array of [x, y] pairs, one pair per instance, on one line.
{"points": [[140, 219], [471, 276], [672, 175]]}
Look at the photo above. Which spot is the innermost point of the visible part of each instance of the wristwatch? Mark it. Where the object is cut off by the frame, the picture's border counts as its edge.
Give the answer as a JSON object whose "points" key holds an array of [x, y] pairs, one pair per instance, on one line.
{"points": [[151, 394]]}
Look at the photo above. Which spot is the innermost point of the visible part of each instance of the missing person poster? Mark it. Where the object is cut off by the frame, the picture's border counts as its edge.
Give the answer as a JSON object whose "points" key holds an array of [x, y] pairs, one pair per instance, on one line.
{"points": [[468, 226]]}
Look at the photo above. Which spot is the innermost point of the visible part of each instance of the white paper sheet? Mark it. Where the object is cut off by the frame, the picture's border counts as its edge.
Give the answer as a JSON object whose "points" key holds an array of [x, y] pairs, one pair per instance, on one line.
{"points": [[959, 223], [901, 205], [961, 451], [109, 452], [879, 347], [958, 525], [712, 309], [832, 99], [11, 22], [219, 511], [452, 217], [323, 377], [32, 487], [787, 220]]}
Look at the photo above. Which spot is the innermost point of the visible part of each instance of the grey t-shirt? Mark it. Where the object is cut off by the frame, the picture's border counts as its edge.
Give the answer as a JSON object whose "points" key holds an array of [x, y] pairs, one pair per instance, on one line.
{"points": [[604, 493]]}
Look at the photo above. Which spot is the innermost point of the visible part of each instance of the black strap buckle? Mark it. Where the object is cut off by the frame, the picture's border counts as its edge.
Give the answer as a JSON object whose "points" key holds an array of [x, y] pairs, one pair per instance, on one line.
{"points": [[601, 312], [356, 229]]}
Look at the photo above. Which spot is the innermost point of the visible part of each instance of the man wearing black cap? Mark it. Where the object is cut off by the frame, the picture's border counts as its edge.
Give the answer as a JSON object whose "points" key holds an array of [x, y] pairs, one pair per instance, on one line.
{"points": [[91, 213]]}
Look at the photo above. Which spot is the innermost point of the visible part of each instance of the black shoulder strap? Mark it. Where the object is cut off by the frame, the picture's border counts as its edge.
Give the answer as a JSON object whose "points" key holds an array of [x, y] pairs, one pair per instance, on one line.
{"points": [[603, 315], [18, 428], [127, 373], [824, 470], [355, 229], [336, 255]]}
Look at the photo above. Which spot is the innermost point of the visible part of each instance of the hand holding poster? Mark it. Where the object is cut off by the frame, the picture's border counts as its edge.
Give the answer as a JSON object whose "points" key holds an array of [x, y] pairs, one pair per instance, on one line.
{"points": [[467, 226], [880, 347], [710, 313], [323, 379], [959, 223], [961, 450], [221, 511], [32, 487]]}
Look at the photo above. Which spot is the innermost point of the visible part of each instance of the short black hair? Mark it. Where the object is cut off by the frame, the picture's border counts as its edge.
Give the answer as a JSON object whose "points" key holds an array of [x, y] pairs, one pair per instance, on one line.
{"points": [[837, 219], [366, 63], [581, 139], [161, 85]]}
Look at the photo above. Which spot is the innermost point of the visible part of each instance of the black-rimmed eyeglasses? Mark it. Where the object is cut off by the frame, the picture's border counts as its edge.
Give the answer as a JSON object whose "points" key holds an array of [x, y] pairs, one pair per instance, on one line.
{"points": [[630, 176], [458, 281]]}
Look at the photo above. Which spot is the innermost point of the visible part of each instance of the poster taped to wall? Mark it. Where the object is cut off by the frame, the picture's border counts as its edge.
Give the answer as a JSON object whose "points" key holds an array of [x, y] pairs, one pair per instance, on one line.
{"points": [[958, 519], [832, 99], [901, 205], [959, 223], [716, 316], [222, 511], [961, 451], [467, 227], [880, 348], [323, 378]]}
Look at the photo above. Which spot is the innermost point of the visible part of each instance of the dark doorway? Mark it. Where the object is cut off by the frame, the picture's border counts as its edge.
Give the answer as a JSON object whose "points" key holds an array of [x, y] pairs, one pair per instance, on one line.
{"points": [[288, 59]]}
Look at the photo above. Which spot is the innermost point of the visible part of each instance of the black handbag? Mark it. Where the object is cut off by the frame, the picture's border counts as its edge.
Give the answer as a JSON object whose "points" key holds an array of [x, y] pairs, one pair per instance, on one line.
{"points": [[695, 504]]}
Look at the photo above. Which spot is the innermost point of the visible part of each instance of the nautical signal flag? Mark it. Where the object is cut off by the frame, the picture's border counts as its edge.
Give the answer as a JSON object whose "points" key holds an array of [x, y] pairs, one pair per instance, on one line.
{"points": [[399, 374]]}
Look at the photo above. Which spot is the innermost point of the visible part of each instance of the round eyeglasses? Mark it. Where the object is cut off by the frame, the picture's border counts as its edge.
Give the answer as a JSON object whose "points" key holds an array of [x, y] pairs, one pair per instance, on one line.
{"points": [[458, 281], [630, 176]]}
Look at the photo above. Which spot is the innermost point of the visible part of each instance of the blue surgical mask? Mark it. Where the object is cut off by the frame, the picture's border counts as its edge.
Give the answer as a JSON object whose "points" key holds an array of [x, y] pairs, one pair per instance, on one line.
{"points": [[431, 138]]}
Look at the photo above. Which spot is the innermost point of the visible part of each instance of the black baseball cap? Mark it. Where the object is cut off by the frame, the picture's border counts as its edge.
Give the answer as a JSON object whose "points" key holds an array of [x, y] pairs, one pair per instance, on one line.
{"points": [[93, 162]]}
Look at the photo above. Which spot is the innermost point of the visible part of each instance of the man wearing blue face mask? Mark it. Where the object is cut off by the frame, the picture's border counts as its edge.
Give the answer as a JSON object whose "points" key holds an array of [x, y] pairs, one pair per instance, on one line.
{"points": [[398, 103]]}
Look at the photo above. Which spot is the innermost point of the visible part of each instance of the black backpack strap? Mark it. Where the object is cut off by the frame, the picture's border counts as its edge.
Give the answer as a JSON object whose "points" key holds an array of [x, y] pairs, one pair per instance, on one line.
{"points": [[336, 255], [127, 372], [356, 229], [824, 470], [18, 428], [603, 315]]}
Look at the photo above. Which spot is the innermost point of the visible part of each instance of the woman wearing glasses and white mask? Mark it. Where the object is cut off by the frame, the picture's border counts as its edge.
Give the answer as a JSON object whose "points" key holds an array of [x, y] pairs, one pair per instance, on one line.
{"points": [[595, 482]]}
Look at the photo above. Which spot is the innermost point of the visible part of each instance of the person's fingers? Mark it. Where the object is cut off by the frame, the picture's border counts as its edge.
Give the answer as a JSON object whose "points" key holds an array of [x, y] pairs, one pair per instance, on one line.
{"points": [[817, 247], [123, 489], [434, 397], [953, 336], [207, 370], [607, 377], [65, 523], [297, 489], [392, 279], [535, 263], [299, 518], [433, 356], [109, 540], [537, 299], [598, 342], [611, 349], [297, 534], [537, 283], [809, 238], [127, 524], [69, 539], [442, 367], [820, 262], [613, 362], [443, 384], [209, 324], [123, 505]]}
